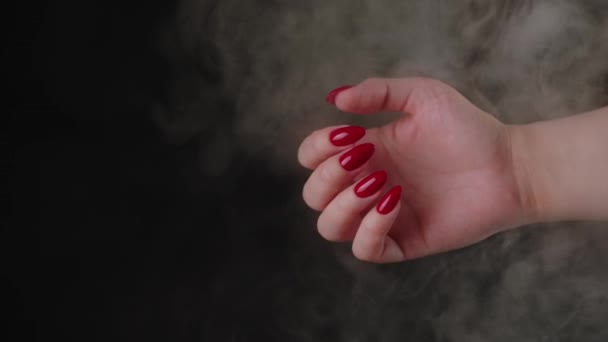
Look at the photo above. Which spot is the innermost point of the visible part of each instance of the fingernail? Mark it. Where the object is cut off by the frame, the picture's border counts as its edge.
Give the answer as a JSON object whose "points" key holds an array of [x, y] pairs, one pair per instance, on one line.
{"points": [[356, 156], [389, 201], [370, 184], [345, 136], [331, 97]]}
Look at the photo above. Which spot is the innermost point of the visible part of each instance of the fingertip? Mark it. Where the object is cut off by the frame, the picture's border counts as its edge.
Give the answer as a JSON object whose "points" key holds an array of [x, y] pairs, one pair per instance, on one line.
{"points": [[389, 201], [344, 100], [333, 94], [372, 242], [371, 184], [301, 160], [357, 156], [346, 135]]}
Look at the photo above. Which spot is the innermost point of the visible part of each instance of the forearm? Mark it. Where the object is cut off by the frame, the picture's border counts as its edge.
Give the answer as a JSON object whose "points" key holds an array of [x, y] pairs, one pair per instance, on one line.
{"points": [[561, 167]]}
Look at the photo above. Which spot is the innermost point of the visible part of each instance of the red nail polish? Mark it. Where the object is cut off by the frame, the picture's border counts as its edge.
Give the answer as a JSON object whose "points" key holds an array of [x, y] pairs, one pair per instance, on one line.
{"points": [[345, 136], [389, 201], [356, 156], [370, 184], [331, 97]]}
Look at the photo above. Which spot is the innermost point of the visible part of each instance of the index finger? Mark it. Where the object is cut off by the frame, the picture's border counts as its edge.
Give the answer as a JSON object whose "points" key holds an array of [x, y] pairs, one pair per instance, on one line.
{"points": [[326, 142]]}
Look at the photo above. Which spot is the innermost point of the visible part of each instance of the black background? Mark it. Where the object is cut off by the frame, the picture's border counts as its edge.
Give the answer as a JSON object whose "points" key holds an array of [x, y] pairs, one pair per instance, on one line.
{"points": [[115, 232], [112, 233]]}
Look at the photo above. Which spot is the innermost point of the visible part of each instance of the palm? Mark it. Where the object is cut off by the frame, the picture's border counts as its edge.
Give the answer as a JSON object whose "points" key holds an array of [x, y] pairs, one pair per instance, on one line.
{"points": [[454, 164]]}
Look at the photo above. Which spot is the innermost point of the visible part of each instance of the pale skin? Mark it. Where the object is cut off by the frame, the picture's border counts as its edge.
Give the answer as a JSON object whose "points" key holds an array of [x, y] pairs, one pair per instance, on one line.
{"points": [[465, 175]]}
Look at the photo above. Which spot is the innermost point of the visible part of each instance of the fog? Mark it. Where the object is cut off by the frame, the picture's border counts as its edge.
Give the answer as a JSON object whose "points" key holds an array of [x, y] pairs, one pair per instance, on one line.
{"points": [[211, 240]]}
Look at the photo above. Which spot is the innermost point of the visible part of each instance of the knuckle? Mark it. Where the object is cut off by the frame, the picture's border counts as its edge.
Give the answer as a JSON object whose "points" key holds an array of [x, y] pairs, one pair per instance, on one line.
{"points": [[302, 156], [374, 80], [310, 148], [325, 229], [318, 142], [362, 253], [342, 205], [434, 88], [423, 81], [367, 243], [309, 198], [329, 230], [318, 133], [326, 174]]}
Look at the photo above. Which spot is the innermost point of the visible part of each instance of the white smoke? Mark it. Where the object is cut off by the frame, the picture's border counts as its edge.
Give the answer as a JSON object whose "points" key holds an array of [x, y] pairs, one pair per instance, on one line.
{"points": [[520, 60]]}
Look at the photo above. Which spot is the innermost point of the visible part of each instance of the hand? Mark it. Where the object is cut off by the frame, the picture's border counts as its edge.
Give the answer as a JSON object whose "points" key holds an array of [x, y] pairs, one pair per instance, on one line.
{"points": [[452, 160]]}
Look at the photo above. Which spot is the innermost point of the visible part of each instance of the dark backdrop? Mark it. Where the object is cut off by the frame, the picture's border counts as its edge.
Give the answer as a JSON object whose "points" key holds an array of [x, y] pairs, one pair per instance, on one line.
{"points": [[117, 232]]}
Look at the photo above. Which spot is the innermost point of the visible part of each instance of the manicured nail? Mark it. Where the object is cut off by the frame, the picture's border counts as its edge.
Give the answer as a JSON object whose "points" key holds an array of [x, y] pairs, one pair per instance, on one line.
{"points": [[345, 136], [331, 97], [356, 156], [370, 184], [389, 201]]}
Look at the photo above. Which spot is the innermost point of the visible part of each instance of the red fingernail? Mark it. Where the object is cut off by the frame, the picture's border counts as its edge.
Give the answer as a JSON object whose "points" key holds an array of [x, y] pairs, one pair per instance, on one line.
{"points": [[389, 201], [345, 136], [331, 97], [356, 156], [370, 184]]}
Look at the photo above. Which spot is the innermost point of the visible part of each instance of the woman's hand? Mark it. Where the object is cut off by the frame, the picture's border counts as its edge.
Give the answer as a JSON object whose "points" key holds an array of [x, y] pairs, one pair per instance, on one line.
{"points": [[452, 161]]}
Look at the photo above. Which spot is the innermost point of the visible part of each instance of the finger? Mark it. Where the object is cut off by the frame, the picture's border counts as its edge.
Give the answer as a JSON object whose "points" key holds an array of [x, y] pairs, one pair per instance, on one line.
{"points": [[372, 242], [334, 174], [387, 94], [341, 217], [326, 142]]}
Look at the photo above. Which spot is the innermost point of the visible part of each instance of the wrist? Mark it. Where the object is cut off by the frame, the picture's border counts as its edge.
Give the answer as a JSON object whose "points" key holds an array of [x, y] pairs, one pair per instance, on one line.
{"points": [[552, 170], [527, 156]]}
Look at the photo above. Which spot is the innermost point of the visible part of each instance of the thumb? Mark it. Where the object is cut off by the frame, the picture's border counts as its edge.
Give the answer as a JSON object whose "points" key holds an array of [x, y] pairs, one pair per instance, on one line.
{"points": [[373, 95]]}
